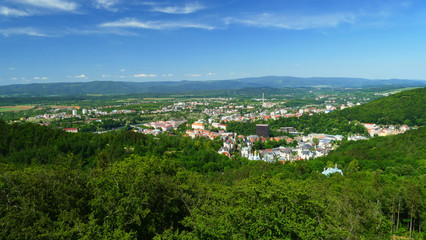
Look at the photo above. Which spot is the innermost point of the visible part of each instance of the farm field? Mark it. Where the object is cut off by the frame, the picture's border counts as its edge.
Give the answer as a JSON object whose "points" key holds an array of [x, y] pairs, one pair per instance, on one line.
{"points": [[15, 108]]}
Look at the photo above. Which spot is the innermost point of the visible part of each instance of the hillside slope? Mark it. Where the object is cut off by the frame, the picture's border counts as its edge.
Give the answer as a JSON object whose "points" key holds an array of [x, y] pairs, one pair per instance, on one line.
{"points": [[407, 107]]}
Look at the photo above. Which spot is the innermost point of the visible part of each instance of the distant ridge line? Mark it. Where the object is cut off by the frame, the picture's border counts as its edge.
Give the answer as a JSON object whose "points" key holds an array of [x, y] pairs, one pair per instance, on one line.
{"points": [[126, 87]]}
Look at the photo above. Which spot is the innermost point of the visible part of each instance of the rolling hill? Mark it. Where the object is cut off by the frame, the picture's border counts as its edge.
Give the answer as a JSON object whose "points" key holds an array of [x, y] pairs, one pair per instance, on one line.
{"points": [[407, 107]]}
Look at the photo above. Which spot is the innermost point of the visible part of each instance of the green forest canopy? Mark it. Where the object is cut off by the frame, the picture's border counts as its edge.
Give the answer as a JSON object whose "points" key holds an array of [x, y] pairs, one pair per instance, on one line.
{"points": [[125, 185]]}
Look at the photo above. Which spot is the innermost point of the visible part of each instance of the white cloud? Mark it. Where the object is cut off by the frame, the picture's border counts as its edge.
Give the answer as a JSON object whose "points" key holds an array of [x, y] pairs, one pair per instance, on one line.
{"points": [[186, 9], [211, 74], [106, 4], [157, 25], [144, 75], [98, 31], [168, 75], [62, 5], [13, 12], [41, 78], [11, 69], [21, 31], [122, 70], [14, 78], [267, 20], [105, 75], [193, 75], [81, 76]]}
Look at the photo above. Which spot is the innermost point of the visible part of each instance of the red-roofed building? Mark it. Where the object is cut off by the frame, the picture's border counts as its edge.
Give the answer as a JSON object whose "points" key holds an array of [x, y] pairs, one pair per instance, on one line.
{"points": [[72, 130]]}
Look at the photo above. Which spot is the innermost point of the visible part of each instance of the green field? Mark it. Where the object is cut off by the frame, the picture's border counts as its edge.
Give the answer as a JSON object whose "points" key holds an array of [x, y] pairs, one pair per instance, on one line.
{"points": [[3, 109], [15, 108], [94, 95]]}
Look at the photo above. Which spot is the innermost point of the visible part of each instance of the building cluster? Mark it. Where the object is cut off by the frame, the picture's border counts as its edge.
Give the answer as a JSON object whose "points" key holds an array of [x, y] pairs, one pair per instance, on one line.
{"points": [[76, 114], [179, 106], [61, 115], [357, 137], [199, 130], [375, 130], [307, 148], [158, 127], [303, 151]]}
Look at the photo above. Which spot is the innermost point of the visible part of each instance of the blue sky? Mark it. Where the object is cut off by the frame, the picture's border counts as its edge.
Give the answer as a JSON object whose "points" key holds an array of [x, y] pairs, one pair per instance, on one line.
{"points": [[131, 40]]}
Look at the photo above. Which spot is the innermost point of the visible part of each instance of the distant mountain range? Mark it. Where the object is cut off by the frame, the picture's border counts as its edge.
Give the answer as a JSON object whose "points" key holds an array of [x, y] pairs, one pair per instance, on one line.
{"points": [[116, 88]]}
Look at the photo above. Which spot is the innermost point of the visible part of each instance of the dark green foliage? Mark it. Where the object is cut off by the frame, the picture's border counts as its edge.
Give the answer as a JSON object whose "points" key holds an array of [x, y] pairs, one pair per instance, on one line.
{"points": [[401, 155], [320, 123], [43, 202], [34, 144], [243, 128], [56, 185], [407, 107]]}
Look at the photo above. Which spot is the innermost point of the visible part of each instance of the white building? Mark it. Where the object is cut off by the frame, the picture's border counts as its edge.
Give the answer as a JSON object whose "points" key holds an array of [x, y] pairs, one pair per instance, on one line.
{"points": [[198, 125]]}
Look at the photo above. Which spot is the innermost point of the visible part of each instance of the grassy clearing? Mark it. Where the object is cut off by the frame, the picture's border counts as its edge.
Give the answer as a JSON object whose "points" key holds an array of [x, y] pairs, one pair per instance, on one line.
{"points": [[94, 95], [15, 108]]}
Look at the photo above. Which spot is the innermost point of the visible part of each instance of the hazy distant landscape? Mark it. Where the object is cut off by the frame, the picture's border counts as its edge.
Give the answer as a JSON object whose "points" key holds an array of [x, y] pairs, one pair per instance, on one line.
{"points": [[114, 88]]}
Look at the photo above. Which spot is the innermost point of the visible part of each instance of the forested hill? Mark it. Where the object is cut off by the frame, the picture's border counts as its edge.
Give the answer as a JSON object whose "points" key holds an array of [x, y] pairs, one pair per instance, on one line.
{"points": [[402, 154], [125, 185], [407, 107], [115, 87]]}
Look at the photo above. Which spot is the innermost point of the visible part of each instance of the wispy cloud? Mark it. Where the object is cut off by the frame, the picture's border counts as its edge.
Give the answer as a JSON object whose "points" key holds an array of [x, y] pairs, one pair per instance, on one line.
{"points": [[168, 75], [106, 4], [268, 20], [143, 75], [185, 9], [156, 25], [21, 31], [97, 31], [193, 75], [41, 78], [62, 5], [13, 12]]}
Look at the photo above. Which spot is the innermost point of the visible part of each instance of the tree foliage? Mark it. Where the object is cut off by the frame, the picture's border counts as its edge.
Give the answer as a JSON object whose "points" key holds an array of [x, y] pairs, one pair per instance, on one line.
{"points": [[57, 185]]}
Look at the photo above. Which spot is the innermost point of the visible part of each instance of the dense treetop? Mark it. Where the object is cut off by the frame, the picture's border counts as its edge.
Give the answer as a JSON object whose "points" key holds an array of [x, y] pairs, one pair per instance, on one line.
{"points": [[124, 185], [407, 107]]}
